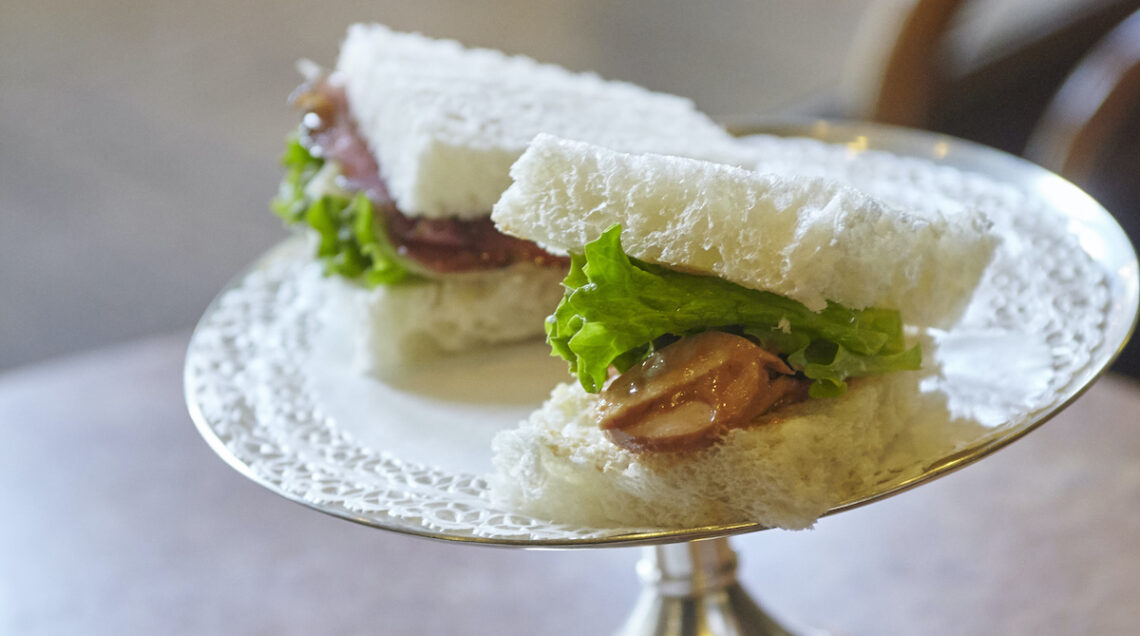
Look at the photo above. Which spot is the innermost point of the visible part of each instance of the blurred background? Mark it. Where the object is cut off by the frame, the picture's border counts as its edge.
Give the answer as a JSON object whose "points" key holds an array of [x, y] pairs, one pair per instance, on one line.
{"points": [[139, 140]]}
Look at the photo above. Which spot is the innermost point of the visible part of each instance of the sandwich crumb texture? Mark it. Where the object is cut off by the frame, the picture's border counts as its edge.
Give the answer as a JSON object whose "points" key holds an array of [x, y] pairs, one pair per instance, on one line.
{"points": [[808, 238], [394, 326], [434, 112], [782, 472]]}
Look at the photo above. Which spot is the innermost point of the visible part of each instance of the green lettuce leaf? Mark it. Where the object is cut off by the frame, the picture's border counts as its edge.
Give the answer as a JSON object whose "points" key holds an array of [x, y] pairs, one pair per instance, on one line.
{"points": [[291, 203], [616, 307], [353, 239]]}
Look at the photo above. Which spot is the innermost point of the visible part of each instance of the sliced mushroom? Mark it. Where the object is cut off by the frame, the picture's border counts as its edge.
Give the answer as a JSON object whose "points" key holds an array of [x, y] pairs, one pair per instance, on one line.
{"points": [[686, 425], [685, 395]]}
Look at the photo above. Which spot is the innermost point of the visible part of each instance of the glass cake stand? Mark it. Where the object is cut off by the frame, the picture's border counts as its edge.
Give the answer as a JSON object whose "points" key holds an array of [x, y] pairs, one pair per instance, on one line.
{"points": [[269, 387]]}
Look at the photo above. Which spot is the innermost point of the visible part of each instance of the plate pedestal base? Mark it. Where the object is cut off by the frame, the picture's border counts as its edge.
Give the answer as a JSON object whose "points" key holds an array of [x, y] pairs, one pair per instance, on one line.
{"points": [[691, 588]]}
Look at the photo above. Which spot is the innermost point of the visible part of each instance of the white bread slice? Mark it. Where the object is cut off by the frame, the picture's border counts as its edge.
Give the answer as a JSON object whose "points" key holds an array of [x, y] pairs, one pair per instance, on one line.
{"points": [[446, 123], [810, 239], [394, 326], [785, 473]]}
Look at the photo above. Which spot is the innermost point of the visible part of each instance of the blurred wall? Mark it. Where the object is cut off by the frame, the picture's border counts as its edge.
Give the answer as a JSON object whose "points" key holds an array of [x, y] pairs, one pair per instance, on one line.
{"points": [[138, 140]]}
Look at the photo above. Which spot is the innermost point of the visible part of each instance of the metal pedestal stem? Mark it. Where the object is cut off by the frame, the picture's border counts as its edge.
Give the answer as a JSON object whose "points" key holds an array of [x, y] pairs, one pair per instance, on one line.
{"points": [[691, 588]]}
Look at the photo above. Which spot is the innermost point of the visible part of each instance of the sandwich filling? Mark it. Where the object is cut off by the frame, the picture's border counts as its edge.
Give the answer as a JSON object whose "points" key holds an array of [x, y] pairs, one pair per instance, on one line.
{"points": [[680, 358], [334, 185], [686, 394]]}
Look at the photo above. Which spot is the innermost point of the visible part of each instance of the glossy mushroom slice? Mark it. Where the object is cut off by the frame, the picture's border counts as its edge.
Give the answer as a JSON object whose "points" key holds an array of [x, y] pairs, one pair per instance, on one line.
{"points": [[688, 393]]}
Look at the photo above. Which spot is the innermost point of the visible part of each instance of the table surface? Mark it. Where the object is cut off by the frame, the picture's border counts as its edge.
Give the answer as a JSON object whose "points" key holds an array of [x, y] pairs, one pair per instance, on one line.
{"points": [[118, 519]]}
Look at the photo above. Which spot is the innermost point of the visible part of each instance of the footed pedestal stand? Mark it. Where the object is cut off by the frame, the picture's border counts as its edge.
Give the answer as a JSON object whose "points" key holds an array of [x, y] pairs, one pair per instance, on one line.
{"points": [[269, 386], [691, 588]]}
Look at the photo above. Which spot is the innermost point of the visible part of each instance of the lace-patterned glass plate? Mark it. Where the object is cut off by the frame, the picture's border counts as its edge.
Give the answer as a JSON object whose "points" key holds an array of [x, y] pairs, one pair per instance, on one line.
{"points": [[268, 385]]}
